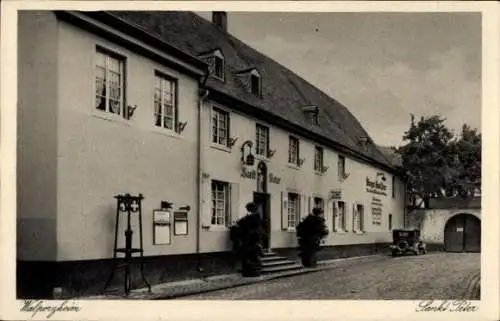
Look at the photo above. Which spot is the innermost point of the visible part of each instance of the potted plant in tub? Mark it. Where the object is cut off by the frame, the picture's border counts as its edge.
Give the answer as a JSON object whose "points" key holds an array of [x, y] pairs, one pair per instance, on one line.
{"points": [[246, 236], [310, 232]]}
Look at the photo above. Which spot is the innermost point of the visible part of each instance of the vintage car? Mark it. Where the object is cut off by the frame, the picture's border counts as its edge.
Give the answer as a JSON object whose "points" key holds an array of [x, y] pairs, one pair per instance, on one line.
{"points": [[407, 241]]}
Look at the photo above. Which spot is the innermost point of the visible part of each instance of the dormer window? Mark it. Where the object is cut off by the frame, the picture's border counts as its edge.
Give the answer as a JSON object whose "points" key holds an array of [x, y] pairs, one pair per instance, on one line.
{"points": [[218, 67], [315, 118], [312, 113], [255, 84], [364, 140], [216, 64], [252, 80]]}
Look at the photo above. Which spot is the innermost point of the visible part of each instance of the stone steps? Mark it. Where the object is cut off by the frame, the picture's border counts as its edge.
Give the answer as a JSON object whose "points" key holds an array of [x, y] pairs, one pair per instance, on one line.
{"points": [[273, 263]]}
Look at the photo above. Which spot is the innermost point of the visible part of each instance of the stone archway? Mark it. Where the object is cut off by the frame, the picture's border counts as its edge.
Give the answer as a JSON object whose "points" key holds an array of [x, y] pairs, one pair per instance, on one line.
{"points": [[462, 233]]}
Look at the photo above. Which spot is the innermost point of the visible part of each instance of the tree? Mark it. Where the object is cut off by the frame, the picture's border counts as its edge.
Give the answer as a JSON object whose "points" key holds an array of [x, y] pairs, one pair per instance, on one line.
{"points": [[438, 163], [427, 157], [466, 163]]}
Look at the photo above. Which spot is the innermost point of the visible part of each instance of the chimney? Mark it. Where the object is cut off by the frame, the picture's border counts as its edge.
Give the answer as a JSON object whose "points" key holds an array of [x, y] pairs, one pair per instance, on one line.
{"points": [[219, 18]]}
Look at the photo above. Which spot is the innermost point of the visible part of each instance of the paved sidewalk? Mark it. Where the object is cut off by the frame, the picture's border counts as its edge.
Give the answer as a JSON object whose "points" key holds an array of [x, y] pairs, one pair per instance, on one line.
{"points": [[218, 282]]}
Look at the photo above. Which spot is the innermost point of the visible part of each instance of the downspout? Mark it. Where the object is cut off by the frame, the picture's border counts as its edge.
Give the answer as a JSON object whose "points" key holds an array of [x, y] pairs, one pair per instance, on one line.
{"points": [[203, 93]]}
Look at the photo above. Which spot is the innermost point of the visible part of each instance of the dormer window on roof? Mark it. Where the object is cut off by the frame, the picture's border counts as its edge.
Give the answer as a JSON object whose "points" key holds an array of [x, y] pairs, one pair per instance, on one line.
{"points": [[216, 65], [364, 141], [255, 84], [312, 113], [252, 80]]}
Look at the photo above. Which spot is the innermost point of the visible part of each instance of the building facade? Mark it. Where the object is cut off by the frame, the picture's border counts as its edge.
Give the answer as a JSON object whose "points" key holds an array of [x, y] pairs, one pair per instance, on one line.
{"points": [[173, 107]]}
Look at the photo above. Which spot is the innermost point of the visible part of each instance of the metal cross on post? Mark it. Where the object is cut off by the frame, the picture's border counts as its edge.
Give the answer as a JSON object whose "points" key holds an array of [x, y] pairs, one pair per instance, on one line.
{"points": [[134, 206]]}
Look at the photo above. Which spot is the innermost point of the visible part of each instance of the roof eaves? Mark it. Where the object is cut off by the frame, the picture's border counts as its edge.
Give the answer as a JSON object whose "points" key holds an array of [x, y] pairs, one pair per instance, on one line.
{"points": [[172, 49], [137, 32], [247, 108]]}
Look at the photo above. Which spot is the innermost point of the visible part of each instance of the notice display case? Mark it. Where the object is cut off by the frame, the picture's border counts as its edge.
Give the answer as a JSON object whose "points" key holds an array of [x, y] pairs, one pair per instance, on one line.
{"points": [[162, 227], [170, 220], [181, 223]]}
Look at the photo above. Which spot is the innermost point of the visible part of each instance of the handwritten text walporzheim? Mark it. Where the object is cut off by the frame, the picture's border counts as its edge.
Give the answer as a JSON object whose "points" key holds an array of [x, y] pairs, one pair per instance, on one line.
{"points": [[40, 306], [446, 306]]}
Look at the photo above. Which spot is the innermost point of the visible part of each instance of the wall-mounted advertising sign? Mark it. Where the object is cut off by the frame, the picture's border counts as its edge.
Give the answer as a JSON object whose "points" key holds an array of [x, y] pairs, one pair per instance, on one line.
{"points": [[376, 205], [376, 186]]}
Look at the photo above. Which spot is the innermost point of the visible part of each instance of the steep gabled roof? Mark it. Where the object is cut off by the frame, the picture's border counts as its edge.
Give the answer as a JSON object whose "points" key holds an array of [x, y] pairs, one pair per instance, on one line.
{"points": [[284, 94], [391, 155]]}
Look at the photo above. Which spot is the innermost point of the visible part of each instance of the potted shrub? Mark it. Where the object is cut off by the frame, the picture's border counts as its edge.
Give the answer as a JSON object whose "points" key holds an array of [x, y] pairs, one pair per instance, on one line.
{"points": [[310, 232], [246, 236]]}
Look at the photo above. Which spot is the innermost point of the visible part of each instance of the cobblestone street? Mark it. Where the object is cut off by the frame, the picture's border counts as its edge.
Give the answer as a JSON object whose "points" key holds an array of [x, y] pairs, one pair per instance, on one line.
{"points": [[431, 276]]}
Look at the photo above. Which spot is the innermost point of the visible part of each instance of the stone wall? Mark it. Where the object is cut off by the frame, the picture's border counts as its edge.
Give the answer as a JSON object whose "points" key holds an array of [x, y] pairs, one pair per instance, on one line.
{"points": [[431, 222]]}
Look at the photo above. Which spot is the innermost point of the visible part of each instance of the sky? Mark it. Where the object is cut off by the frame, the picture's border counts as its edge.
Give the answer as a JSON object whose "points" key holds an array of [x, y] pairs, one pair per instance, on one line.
{"points": [[381, 66]]}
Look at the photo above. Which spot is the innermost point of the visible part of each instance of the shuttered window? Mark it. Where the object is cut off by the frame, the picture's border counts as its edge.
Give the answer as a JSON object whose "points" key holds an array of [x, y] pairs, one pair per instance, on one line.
{"points": [[221, 203], [339, 216], [358, 218], [293, 210]]}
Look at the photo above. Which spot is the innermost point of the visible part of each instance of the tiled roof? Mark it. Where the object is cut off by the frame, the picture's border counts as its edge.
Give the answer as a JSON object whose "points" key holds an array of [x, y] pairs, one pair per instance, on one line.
{"points": [[284, 93], [391, 155]]}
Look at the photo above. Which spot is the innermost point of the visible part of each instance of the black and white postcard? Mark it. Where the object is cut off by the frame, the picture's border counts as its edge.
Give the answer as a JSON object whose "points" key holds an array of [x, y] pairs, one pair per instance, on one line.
{"points": [[253, 160]]}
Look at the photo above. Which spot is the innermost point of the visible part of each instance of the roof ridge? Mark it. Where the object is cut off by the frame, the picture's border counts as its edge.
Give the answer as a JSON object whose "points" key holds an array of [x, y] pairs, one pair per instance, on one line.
{"points": [[292, 82], [285, 91], [235, 42]]}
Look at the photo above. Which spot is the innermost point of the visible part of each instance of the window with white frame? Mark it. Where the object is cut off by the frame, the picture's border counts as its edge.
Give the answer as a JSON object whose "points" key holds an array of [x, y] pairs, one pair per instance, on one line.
{"points": [[293, 150], [358, 218], [341, 168], [109, 82], [318, 159], [165, 102], [220, 126], [262, 140], [293, 210], [339, 216], [220, 203]]}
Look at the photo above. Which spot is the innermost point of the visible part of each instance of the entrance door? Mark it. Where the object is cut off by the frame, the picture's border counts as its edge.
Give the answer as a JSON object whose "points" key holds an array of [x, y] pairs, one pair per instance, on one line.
{"points": [[462, 233], [263, 208], [472, 237]]}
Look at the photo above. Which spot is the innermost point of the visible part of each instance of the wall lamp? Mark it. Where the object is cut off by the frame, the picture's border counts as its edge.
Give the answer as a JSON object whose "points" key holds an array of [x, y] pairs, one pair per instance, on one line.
{"points": [[130, 111], [232, 141], [180, 127]]}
